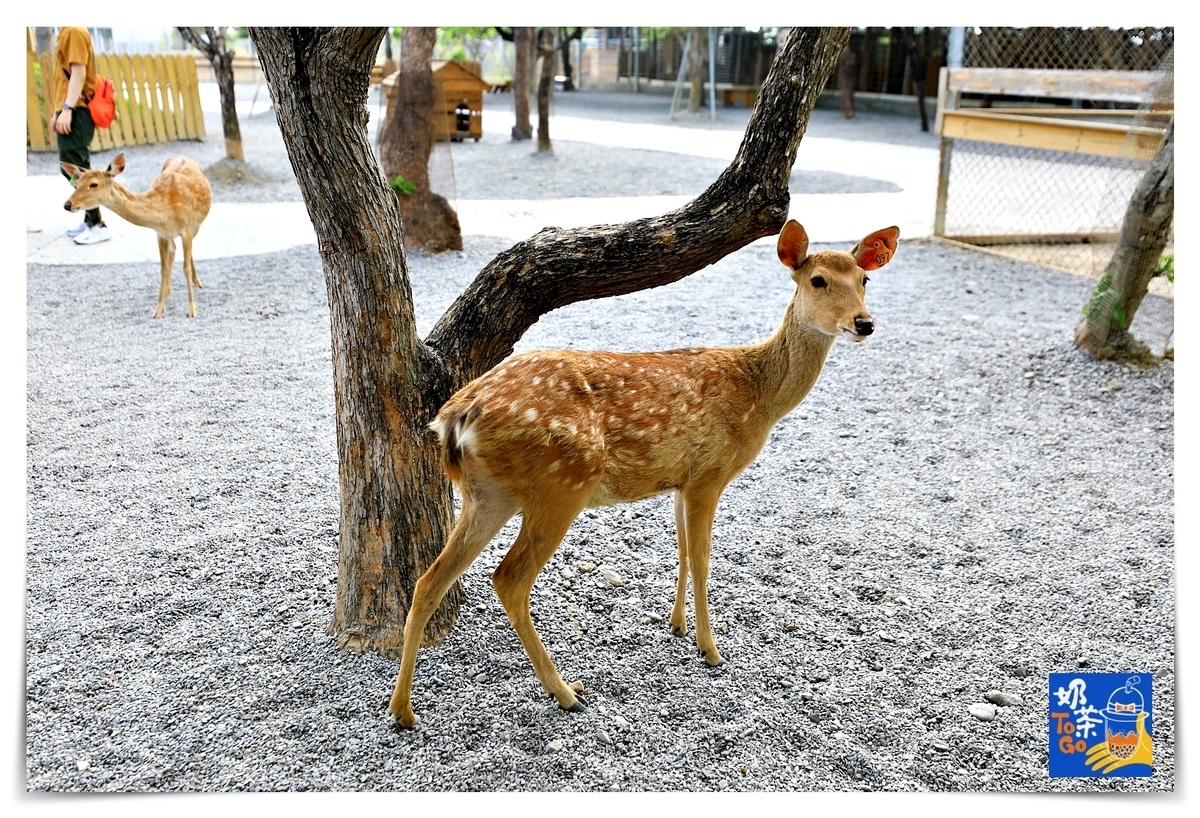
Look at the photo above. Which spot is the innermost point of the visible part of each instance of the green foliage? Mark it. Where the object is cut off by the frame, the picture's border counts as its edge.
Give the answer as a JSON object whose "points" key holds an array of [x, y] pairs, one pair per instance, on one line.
{"points": [[402, 185], [1098, 292], [1118, 314], [1166, 266]]}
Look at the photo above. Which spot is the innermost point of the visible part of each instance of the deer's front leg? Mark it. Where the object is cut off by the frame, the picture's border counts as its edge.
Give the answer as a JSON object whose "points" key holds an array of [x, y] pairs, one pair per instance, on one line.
{"points": [[166, 257], [699, 510], [678, 621]]}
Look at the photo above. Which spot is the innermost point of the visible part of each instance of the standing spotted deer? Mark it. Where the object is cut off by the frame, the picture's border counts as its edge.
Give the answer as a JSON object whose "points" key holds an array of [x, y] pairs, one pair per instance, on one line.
{"points": [[176, 204], [550, 433]]}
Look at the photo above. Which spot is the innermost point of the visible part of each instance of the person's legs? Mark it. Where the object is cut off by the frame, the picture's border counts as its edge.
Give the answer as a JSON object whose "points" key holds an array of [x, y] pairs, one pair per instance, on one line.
{"points": [[73, 148]]}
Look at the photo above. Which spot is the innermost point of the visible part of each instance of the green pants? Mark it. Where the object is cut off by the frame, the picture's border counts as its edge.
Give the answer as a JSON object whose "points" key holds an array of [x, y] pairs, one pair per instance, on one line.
{"points": [[73, 148]]}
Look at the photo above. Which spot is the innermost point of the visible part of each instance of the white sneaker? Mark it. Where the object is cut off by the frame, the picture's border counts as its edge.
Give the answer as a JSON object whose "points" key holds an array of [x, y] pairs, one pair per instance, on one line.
{"points": [[93, 235], [77, 229]]}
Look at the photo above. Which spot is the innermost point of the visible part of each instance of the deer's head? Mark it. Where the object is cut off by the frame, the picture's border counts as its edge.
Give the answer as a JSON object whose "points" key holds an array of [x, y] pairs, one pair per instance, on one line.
{"points": [[92, 187], [830, 285]]}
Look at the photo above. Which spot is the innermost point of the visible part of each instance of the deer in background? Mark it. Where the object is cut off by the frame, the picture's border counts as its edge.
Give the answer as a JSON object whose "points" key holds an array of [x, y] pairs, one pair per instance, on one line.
{"points": [[175, 205], [550, 433]]}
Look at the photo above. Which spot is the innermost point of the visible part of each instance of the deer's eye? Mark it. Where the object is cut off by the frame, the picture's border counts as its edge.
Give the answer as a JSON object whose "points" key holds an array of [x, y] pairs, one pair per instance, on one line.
{"points": [[817, 281], [94, 184]]}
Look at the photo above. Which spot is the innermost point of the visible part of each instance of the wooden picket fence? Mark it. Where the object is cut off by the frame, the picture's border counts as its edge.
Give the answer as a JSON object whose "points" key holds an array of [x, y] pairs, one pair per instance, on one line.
{"points": [[158, 100]]}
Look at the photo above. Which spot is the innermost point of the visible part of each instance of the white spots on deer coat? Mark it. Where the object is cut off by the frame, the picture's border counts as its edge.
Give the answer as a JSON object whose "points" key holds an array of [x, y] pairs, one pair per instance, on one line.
{"points": [[531, 414]]}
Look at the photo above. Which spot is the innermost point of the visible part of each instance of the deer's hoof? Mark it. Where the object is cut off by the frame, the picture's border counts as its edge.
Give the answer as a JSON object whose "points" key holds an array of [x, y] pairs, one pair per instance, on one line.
{"points": [[577, 707], [713, 660], [679, 630], [406, 722]]}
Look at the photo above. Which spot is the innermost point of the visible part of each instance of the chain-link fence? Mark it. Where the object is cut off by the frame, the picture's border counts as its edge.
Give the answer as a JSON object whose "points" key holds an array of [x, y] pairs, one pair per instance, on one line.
{"points": [[1040, 160], [1094, 49]]}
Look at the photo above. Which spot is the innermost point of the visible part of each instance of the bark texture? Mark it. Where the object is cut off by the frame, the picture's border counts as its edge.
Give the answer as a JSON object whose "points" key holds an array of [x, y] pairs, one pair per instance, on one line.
{"points": [[545, 85], [1104, 330], [396, 504], [211, 43], [407, 143], [395, 501], [523, 44]]}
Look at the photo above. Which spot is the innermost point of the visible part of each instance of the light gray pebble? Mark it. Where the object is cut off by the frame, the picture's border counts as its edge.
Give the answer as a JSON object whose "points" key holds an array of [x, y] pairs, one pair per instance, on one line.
{"points": [[1003, 699], [982, 711]]}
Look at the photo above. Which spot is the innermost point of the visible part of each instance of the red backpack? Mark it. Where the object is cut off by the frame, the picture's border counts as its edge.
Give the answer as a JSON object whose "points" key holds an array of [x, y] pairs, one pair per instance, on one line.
{"points": [[103, 104]]}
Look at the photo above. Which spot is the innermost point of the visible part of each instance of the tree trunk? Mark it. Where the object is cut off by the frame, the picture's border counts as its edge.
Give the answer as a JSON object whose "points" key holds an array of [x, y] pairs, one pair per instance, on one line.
{"points": [[564, 47], [1104, 330], [43, 37], [545, 84], [847, 69], [522, 70], [211, 42], [395, 503], [407, 142], [916, 65], [696, 70]]}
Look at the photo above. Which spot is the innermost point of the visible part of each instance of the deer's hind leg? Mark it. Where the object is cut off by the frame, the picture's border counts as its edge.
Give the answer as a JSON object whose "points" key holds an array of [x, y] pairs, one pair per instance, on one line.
{"points": [[542, 530], [678, 621], [166, 257], [700, 507], [189, 271], [189, 267], [484, 513]]}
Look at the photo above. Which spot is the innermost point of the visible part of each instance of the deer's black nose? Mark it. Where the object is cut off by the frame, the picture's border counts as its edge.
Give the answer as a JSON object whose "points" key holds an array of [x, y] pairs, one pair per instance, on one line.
{"points": [[864, 326], [67, 206]]}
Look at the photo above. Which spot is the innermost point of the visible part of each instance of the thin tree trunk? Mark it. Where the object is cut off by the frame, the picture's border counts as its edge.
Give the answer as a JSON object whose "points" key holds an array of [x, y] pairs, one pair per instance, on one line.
{"points": [[395, 502], [211, 42], [696, 70], [522, 71], [847, 69], [407, 143], [396, 505], [545, 84], [1104, 330]]}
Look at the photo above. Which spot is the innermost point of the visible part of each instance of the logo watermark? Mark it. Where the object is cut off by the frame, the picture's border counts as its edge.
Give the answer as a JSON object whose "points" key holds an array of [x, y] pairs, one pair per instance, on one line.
{"points": [[1101, 725]]}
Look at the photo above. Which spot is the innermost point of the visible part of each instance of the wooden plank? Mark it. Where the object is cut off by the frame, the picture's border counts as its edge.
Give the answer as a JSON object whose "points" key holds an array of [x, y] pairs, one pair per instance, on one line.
{"points": [[124, 122], [193, 83], [166, 89], [154, 91], [148, 103], [943, 188], [35, 123], [178, 73], [161, 97], [1081, 237], [48, 106], [1091, 138], [133, 102], [1113, 86]]}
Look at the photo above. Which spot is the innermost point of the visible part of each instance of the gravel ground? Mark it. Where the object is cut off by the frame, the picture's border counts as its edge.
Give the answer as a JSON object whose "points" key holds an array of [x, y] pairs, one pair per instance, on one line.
{"points": [[963, 504]]}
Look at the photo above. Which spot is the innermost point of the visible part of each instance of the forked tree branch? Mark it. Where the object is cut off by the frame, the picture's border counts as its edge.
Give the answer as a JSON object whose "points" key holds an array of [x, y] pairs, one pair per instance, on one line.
{"points": [[557, 267]]}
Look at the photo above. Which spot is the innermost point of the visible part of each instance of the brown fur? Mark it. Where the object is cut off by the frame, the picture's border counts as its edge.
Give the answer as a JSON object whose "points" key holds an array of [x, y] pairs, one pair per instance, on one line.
{"points": [[551, 432], [175, 205]]}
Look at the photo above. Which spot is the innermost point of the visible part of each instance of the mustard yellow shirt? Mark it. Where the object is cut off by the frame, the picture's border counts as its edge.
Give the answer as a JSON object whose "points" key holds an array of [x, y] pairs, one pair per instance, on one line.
{"points": [[73, 45]]}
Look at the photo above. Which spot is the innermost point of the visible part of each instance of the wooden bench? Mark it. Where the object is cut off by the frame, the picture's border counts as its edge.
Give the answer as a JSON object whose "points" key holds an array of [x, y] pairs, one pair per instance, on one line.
{"points": [[745, 94], [1047, 126]]}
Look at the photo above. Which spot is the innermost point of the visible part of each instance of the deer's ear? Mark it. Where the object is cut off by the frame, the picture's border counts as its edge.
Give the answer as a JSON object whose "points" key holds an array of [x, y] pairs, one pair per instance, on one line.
{"points": [[74, 170], [876, 249], [792, 246], [117, 165]]}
